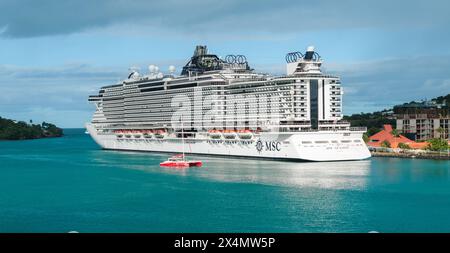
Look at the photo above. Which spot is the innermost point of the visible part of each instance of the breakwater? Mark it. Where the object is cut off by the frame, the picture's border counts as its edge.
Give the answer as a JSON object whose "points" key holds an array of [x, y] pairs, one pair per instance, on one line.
{"points": [[420, 155]]}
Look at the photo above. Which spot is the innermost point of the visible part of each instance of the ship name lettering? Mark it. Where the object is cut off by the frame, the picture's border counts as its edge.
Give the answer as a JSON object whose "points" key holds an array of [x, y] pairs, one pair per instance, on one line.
{"points": [[273, 146]]}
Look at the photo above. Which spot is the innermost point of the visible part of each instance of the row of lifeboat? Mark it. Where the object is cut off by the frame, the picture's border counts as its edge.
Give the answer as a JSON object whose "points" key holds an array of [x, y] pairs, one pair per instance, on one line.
{"points": [[230, 134], [148, 134], [160, 134]]}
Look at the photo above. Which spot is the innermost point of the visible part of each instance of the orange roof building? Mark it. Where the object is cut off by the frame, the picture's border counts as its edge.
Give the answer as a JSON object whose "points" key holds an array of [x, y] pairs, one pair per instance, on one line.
{"points": [[386, 135], [418, 145]]}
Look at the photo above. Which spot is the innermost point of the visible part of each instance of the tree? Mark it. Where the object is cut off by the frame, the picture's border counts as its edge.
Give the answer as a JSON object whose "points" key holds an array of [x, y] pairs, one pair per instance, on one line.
{"points": [[395, 133], [373, 130], [386, 144], [403, 146], [437, 144], [365, 137], [440, 130], [11, 130]]}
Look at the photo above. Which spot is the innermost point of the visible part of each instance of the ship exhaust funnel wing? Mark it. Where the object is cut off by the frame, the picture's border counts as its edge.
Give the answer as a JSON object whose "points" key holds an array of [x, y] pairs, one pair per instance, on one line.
{"points": [[298, 64]]}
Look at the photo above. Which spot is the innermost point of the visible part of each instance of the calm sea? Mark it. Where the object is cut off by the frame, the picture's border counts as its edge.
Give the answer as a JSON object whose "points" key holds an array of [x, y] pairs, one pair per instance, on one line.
{"points": [[69, 183]]}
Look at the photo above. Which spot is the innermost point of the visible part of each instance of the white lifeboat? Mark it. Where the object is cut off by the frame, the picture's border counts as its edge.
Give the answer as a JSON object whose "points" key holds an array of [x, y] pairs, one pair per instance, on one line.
{"points": [[118, 133], [228, 134], [127, 134], [160, 134], [137, 134], [245, 135], [148, 134], [214, 134]]}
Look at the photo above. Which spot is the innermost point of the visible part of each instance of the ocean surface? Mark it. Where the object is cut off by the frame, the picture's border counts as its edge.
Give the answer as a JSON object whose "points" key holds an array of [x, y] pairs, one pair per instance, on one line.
{"points": [[69, 183]]}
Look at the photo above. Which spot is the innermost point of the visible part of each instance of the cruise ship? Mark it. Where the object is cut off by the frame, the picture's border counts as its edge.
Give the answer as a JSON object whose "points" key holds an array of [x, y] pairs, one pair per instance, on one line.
{"points": [[223, 107]]}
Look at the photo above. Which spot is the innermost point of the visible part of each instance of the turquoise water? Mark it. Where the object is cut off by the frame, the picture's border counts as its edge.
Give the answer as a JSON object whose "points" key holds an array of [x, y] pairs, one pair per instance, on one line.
{"points": [[64, 184]]}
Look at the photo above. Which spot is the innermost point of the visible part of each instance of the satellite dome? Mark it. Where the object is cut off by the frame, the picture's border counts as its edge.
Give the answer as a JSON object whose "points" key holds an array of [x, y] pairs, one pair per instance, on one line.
{"points": [[151, 68], [172, 68], [135, 75]]}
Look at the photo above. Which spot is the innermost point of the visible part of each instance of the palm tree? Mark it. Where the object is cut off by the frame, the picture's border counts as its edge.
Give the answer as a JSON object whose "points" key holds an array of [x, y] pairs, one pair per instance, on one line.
{"points": [[395, 133], [386, 144], [440, 130], [366, 137]]}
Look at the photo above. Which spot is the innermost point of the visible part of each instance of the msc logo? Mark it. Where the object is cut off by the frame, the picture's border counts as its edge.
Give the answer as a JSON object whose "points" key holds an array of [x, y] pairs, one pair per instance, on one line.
{"points": [[259, 146], [268, 146]]}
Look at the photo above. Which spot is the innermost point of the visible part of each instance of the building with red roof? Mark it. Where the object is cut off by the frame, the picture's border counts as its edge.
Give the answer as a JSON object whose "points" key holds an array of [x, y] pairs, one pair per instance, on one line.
{"points": [[377, 139]]}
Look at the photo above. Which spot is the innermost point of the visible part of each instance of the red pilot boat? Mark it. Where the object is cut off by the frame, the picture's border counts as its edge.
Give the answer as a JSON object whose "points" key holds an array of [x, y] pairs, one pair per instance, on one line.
{"points": [[179, 161]]}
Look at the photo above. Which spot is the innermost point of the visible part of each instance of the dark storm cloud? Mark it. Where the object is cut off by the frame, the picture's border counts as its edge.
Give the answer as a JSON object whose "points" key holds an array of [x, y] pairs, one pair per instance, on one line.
{"points": [[28, 18]]}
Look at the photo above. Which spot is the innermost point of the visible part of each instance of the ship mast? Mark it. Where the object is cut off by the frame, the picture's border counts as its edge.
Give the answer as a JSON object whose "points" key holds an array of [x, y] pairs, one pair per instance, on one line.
{"points": [[182, 134]]}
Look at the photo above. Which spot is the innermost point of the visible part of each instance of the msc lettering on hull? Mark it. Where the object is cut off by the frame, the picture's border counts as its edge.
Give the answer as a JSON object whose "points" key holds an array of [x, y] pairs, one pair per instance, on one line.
{"points": [[268, 146]]}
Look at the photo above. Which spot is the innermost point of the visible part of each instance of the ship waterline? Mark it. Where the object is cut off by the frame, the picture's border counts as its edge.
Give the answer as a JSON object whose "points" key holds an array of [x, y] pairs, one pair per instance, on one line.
{"points": [[222, 107]]}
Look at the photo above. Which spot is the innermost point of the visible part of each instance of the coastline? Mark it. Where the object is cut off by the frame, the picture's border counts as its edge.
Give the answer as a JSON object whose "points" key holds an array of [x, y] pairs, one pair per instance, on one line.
{"points": [[421, 155], [30, 139]]}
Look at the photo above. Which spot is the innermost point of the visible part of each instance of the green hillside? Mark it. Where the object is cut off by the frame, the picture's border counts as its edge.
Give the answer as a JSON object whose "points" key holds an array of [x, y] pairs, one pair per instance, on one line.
{"points": [[12, 130]]}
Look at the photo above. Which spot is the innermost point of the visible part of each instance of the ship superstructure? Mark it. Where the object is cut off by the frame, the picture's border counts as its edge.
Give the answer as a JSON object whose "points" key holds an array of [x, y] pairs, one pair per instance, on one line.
{"points": [[223, 107]]}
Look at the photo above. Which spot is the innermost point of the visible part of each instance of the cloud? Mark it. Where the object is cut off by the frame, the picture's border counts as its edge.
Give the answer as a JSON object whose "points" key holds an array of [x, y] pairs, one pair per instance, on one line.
{"points": [[29, 18], [3, 29], [54, 94], [375, 85], [34, 37], [59, 94], [65, 72], [437, 84], [61, 117], [41, 93]]}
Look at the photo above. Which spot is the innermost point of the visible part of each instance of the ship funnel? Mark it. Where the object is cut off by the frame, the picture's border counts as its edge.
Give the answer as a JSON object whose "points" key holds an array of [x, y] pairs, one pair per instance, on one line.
{"points": [[200, 50], [297, 63]]}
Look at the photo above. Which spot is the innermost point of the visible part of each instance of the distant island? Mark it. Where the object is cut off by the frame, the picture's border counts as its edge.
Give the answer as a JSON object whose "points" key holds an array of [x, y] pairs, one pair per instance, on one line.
{"points": [[20, 130]]}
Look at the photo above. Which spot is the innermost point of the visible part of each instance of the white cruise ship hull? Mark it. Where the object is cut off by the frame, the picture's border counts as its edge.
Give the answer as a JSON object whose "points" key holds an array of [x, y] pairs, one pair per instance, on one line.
{"points": [[307, 146]]}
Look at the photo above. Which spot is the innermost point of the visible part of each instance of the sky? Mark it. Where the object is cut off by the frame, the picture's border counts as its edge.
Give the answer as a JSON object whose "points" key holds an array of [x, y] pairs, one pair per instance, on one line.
{"points": [[53, 54]]}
